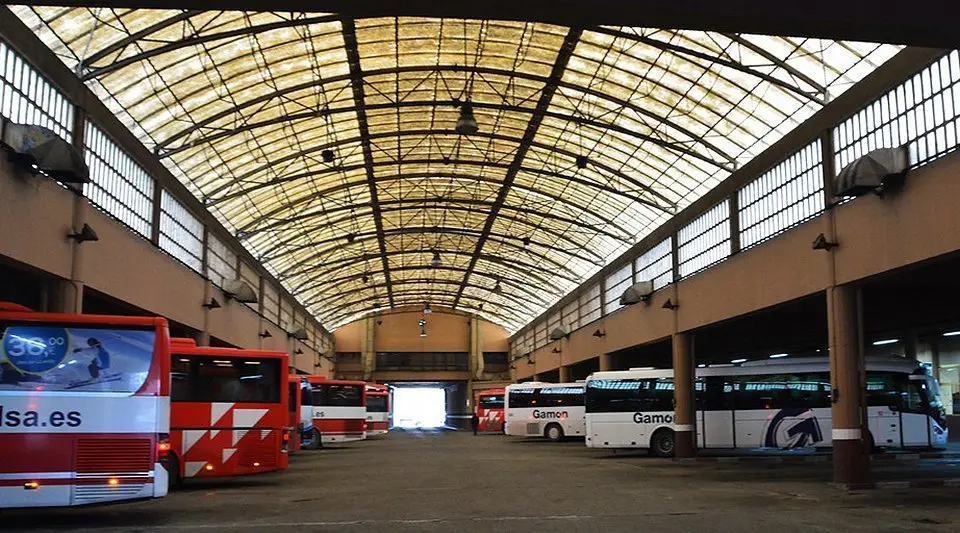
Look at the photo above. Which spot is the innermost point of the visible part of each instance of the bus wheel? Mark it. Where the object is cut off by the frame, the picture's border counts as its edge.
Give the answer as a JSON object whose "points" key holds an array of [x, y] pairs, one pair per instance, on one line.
{"points": [[553, 432], [662, 443], [173, 473], [316, 440]]}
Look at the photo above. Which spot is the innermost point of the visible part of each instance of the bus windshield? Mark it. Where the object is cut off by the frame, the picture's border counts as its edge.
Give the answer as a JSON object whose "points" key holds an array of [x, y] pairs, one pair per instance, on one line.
{"points": [[334, 395], [76, 359], [376, 404], [491, 401], [234, 380]]}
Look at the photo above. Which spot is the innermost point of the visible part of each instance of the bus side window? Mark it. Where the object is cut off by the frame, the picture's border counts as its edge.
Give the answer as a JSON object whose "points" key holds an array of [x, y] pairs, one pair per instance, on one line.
{"points": [[717, 394], [882, 390], [656, 394]]}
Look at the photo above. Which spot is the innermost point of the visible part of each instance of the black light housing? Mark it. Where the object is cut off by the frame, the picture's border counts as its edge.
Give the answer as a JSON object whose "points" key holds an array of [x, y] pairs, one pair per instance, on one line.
{"points": [[467, 124], [327, 156], [212, 304], [86, 234], [435, 262], [265, 334]]}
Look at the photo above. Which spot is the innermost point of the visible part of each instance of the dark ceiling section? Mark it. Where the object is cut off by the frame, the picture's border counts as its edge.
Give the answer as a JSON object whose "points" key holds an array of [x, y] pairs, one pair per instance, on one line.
{"points": [[919, 24]]}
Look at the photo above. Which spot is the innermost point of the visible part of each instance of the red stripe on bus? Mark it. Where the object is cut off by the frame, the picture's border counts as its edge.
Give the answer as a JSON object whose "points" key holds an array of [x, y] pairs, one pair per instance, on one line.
{"points": [[53, 452]]}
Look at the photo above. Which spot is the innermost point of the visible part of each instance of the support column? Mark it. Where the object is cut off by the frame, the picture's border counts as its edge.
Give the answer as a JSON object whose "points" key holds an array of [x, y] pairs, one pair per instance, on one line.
{"points": [[70, 291], [564, 374], [910, 344], [684, 416], [203, 337], [536, 377], [476, 349], [368, 352], [606, 362], [851, 459]]}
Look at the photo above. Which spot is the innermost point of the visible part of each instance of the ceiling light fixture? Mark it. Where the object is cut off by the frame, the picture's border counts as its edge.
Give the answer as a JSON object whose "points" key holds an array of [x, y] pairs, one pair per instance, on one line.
{"points": [[466, 123], [435, 262], [885, 341], [778, 355], [738, 361], [951, 334], [327, 156], [497, 289], [426, 309], [582, 161]]}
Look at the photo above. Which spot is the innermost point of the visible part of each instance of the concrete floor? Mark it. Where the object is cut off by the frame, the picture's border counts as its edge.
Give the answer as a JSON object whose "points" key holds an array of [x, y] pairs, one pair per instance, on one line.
{"points": [[445, 481]]}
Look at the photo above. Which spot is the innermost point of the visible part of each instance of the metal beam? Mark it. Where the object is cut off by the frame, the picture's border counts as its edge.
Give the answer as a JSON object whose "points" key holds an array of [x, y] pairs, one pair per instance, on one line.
{"points": [[416, 297], [446, 175], [120, 45], [452, 163], [626, 104], [435, 203], [761, 51], [356, 77], [363, 237], [329, 294], [546, 96], [94, 73]]}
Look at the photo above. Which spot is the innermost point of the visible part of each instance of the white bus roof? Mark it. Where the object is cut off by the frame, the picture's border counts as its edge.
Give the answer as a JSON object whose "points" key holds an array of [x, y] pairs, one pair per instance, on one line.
{"points": [[541, 385], [800, 364]]}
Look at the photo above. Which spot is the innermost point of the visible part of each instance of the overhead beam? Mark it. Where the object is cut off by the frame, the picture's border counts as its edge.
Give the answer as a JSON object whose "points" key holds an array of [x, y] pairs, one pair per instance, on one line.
{"points": [[543, 103], [332, 293], [825, 19], [414, 297], [356, 78]]}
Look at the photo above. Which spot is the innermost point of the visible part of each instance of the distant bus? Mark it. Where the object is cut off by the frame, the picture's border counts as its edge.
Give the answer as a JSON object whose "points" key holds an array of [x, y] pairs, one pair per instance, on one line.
{"points": [[229, 414], [781, 404], [549, 410], [378, 409], [300, 411], [84, 408], [339, 411], [489, 410]]}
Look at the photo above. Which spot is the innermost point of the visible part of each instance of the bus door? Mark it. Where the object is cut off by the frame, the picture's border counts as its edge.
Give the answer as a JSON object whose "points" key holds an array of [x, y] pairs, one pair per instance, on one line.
{"points": [[715, 414], [883, 408], [914, 421]]}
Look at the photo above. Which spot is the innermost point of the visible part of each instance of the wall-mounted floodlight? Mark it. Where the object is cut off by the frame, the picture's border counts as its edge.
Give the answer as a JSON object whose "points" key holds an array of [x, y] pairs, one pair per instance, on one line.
{"points": [[298, 351], [558, 333], [638, 292], [265, 334], [300, 334], [212, 304], [239, 290], [670, 305], [557, 350], [821, 243], [599, 333], [86, 234]]}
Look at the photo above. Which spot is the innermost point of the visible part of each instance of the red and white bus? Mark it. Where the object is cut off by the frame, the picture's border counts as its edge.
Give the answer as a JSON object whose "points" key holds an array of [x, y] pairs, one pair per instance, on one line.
{"points": [[84, 408], [339, 410], [228, 413], [300, 411], [490, 410], [378, 409]]}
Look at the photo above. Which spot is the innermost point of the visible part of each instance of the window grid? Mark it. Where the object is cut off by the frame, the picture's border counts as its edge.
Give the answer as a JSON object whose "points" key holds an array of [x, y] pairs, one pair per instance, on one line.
{"points": [[271, 303], [784, 196], [705, 241], [118, 186], [590, 305], [921, 113], [614, 285], [540, 335], [221, 261], [286, 316], [553, 322], [570, 315], [656, 265], [27, 98], [181, 233]]}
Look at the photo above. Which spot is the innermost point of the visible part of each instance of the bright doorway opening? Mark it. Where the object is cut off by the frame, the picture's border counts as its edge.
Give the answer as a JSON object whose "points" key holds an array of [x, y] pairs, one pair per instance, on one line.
{"points": [[419, 407]]}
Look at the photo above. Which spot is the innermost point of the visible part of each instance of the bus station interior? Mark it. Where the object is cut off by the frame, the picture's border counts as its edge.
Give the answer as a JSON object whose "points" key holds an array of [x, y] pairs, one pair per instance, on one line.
{"points": [[324, 162]]}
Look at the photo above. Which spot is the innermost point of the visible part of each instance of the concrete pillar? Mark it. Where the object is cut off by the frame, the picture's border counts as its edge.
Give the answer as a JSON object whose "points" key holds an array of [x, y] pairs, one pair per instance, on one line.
{"points": [[70, 292], [911, 343], [203, 337], [684, 414], [476, 348], [851, 459], [606, 362], [564, 374], [368, 352], [536, 377]]}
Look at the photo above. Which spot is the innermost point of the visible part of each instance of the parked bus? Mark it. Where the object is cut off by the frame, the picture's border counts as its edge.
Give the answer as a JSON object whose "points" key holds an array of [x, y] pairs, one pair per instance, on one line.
{"points": [[550, 410], [378, 409], [300, 410], [229, 414], [339, 411], [781, 404], [489, 409], [84, 408]]}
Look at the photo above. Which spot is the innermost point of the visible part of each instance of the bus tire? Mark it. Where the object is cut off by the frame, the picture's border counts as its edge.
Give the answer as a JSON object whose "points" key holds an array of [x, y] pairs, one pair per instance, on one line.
{"points": [[315, 442], [663, 443], [553, 432], [174, 480]]}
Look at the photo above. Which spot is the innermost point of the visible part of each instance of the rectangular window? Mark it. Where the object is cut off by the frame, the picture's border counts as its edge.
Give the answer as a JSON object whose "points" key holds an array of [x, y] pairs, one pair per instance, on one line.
{"points": [[613, 396], [614, 285], [656, 265], [491, 401], [553, 322], [560, 397], [271, 303], [181, 233], [377, 404], [331, 395], [808, 390], [27, 98], [522, 398], [233, 380], [221, 261], [784, 196], [705, 241], [920, 114], [570, 315], [590, 305], [118, 185]]}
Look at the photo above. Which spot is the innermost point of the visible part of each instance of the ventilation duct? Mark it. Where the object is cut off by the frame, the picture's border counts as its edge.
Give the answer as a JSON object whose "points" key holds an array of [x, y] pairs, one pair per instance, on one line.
{"points": [[41, 149], [559, 333], [638, 292], [880, 170], [239, 290]]}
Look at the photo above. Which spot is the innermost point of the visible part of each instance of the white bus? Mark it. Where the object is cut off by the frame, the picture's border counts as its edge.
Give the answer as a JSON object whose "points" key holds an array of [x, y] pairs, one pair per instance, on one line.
{"points": [[551, 410], [763, 404]]}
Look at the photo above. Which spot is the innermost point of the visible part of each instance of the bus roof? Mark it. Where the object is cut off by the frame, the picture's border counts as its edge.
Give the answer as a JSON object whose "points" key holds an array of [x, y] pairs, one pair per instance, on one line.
{"points": [[490, 392], [802, 364], [10, 311], [540, 385], [377, 388], [323, 380], [181, 346]]}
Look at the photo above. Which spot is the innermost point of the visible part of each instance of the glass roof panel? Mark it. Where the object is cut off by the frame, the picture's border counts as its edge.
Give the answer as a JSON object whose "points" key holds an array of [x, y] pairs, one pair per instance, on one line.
{"points": [[311, 159]]}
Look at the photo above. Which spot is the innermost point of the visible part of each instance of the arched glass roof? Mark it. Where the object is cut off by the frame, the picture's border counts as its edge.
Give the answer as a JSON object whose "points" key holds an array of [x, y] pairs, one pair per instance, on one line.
{"points": [[589, 138]]}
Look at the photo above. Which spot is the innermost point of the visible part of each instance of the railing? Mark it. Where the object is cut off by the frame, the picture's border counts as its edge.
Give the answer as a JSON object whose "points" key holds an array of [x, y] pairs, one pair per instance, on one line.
{"points": [[922, 113]]}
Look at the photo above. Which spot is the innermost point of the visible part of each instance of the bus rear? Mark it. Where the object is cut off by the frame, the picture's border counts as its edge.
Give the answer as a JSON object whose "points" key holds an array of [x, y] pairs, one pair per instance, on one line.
{"points": [[229, 414], [339, 410], [84, 408], [490, 410], [378, 409], [300, 413]]}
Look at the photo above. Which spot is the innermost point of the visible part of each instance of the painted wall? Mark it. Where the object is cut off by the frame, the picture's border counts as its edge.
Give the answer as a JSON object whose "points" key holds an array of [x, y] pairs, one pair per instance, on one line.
{"points": [[398, 331]]}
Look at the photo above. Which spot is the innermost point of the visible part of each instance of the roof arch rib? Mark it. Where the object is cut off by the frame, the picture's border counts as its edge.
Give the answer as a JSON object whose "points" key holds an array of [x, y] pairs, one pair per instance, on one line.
{"points": [[412, 297], [330, 293]]}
